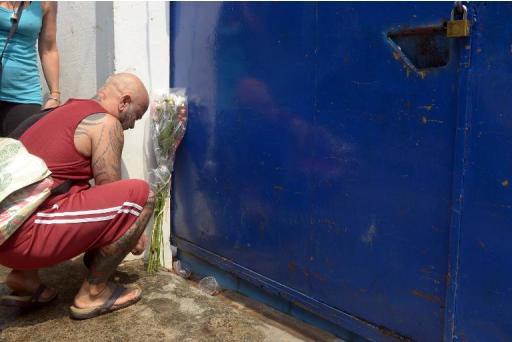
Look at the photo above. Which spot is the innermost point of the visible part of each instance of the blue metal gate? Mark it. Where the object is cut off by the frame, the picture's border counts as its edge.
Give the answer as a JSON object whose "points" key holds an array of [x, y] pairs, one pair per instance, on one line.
{"points": [[330, 159]]}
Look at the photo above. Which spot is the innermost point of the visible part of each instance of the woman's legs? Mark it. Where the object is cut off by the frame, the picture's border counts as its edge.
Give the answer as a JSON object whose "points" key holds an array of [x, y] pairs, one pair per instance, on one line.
{"points": [[12, 114]]}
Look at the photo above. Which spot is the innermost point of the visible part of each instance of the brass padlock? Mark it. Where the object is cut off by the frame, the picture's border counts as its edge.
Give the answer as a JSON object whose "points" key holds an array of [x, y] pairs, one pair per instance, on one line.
{"points": [[457, 28]]}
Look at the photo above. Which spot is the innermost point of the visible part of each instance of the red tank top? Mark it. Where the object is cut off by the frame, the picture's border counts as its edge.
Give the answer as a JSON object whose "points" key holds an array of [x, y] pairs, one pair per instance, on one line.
{"points": [[52, 139]]}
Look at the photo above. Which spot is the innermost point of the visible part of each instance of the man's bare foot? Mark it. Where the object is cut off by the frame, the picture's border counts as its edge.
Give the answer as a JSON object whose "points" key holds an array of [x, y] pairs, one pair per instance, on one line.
{"points": [[91, 296], [26, 283]]}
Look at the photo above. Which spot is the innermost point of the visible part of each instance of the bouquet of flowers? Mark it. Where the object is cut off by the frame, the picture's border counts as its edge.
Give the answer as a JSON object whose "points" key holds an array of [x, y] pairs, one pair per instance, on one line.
{"points": [[168, 124]]}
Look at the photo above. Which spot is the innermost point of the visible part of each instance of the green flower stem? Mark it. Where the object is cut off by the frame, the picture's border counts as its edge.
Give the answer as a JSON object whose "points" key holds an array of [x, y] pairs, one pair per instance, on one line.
{"points": [[157, 241]]}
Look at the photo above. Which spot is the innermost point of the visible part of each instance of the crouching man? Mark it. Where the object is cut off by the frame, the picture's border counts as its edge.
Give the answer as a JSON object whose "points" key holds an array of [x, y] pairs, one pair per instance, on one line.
{"points": [[79, 141]]}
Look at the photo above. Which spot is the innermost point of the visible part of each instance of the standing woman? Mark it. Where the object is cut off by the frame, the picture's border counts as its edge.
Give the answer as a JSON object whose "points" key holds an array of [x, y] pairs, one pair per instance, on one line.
{"points": [[20, 86]]}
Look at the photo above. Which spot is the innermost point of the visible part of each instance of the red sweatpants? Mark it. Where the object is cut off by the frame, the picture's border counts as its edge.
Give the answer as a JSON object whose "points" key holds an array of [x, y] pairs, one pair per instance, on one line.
{"points": [[78, 223]]}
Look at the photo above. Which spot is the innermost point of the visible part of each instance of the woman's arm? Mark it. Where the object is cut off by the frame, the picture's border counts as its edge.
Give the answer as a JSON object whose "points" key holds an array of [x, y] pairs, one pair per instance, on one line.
{"points": [[48, 52]]}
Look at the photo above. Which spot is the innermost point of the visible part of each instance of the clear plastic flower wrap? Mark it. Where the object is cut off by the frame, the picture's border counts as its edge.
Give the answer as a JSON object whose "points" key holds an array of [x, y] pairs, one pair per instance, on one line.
{"points": [[168, 124]]}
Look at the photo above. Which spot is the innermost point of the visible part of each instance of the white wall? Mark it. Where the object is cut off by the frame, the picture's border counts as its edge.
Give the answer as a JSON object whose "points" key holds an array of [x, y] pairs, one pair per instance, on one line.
{"points": [[76, 38], [141, 40], [96, 39], [141, 35]]}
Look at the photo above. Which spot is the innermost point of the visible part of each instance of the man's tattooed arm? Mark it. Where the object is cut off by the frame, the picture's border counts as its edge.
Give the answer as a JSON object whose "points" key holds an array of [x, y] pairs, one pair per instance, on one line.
{"points": [[104, 134], [107, 146]]}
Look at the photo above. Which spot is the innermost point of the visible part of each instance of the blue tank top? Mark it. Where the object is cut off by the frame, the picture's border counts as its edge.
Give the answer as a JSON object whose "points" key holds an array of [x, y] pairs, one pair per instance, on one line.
{"points": [[20, 80]]}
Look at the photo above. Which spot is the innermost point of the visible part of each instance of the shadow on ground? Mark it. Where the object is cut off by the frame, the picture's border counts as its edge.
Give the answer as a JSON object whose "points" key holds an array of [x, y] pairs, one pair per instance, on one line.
{"points": [[172, 309]]}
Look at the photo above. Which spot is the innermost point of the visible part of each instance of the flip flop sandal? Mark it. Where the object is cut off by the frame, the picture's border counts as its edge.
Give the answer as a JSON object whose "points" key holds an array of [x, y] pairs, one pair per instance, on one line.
{"points": [[27, 301], [108, 306]]}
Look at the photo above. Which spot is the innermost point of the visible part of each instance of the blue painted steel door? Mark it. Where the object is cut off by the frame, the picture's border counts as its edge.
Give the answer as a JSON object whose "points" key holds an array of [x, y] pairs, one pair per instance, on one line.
{"points": [[484, 288], [316, 159]]}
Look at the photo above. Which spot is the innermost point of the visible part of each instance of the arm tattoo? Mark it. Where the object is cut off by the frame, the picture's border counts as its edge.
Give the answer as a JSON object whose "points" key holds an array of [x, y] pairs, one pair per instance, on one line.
{"points": [[106, 158], [116, 138], [100, 173], [89, 122]]}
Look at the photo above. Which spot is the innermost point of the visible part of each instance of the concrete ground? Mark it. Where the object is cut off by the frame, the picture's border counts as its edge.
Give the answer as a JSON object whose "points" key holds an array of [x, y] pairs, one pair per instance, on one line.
{"points": [[172, 309]]}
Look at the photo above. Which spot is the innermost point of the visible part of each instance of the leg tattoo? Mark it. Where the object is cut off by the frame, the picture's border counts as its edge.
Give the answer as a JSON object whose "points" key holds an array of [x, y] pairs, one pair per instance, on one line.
{"points": [[103, 261]]}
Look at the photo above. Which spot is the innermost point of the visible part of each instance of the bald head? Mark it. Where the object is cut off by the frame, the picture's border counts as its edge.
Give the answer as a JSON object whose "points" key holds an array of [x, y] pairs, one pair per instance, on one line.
{"points": [[124, 96], [125, 83]]}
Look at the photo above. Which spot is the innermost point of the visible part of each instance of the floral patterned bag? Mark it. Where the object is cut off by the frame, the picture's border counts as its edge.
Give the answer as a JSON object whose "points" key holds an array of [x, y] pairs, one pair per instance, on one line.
{"points": [[25, 183]]}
